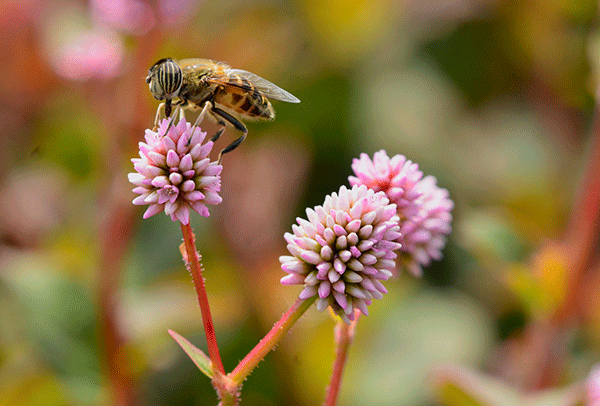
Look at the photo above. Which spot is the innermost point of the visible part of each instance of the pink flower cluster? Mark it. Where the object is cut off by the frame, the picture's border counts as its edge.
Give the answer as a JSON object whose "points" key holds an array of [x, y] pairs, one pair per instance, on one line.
{"points": [[174, 172], [424, 208], [344, 250], [348, 246]]}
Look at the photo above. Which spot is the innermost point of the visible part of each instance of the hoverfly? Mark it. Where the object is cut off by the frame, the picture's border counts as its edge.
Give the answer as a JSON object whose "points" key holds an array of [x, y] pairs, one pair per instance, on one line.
{"points": [[222, 92]]}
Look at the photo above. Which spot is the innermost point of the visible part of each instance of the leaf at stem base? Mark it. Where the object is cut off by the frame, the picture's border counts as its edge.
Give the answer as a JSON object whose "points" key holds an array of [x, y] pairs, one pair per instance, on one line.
{"points": [[197, 356]]}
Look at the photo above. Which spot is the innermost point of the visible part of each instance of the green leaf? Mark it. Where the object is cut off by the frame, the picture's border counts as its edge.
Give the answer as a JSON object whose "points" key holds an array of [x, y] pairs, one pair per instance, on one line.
{"points": [[198, 357]]}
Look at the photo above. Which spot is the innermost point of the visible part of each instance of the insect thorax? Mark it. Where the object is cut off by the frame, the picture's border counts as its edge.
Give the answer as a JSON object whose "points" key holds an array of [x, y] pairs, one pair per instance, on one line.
{"points": [[195, 92]]}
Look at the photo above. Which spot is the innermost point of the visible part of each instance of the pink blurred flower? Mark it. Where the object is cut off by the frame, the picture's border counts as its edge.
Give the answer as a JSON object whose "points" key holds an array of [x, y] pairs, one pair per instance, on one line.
{"points": [[592, 387], [174, 172], [131, 16], [344, 250], [423, 208], [90, 55], [175, 12], [424, 235]]}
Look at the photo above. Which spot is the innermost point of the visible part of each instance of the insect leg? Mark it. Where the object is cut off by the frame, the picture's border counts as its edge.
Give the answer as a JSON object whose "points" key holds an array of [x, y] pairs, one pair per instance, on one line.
{"points": [[222, 126], [161, 108], [181, 113], [221, 130], [207, 105], [237, 124], [179, 110]]}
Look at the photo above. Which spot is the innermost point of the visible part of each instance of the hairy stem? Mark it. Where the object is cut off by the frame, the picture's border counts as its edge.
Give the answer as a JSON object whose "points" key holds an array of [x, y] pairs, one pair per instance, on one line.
{"points": [[269, 342], [192, 260], [344, 334]]}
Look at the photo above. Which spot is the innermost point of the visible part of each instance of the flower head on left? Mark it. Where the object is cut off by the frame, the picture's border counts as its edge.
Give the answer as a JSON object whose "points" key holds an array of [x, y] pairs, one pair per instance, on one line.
{"points": [[174, 173]]}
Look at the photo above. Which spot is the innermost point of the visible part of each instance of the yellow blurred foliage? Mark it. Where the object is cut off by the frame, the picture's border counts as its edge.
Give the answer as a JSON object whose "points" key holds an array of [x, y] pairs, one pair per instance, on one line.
{"points": [[349, 29], [541, 285]]}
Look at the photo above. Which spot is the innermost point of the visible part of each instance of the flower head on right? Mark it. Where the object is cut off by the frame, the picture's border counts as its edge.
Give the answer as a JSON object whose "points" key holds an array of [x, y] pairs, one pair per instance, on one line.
{"points": [[424, 208]]}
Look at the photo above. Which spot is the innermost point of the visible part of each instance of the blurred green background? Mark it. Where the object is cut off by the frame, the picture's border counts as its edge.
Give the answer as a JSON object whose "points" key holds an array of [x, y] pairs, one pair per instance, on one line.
{"points": [[495, 98]]}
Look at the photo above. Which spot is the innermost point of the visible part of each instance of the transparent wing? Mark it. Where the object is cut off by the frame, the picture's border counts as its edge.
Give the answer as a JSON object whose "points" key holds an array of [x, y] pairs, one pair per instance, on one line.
{"points": [[248, 81]]}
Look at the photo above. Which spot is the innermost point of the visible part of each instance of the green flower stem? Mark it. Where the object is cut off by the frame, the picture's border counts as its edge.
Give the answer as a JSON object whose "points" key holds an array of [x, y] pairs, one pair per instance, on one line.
{"points": [[344, 334], [245, 367], [193, 264]]}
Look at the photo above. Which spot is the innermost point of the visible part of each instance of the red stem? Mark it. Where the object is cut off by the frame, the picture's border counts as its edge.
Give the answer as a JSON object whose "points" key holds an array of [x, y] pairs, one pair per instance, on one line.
{"points": [[193, 263], [113, 242], [270, 340], [579, 241], [344, 334], [583, 229]]}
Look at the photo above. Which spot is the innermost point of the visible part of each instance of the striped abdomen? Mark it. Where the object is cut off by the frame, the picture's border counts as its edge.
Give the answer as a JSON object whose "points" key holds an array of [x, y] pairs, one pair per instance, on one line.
{"points": [[244, 99]]}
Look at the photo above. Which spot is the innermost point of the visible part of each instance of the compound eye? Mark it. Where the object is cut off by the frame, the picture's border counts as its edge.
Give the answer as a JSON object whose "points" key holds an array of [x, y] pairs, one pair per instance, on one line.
{"points": [[170, 77]]}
